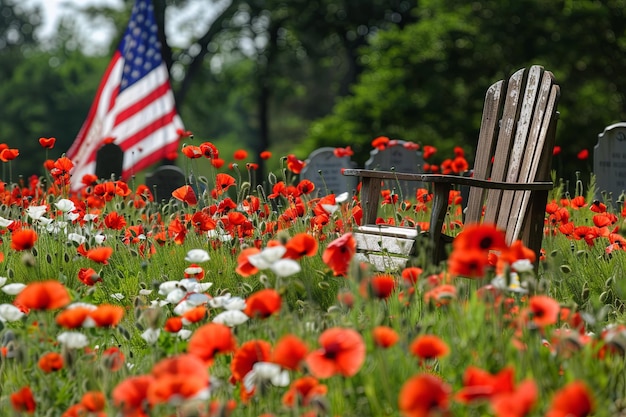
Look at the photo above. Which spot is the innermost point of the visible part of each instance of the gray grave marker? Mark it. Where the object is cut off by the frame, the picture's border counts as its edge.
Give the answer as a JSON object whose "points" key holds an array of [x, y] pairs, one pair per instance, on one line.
{"points": [[164, 180], [609, 160], [324, 169], [399, 158], [109, 161]]}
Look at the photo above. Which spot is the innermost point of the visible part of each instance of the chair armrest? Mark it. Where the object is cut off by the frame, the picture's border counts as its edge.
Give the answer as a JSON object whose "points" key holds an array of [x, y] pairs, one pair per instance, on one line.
{"points": [[449, 179]]}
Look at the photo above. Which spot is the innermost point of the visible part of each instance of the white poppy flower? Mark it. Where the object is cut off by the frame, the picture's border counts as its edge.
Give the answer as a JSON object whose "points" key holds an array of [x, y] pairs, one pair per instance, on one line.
{"points": [[75, 237], [265, 372], [342, 198], [231, 318], [176, 296], [183, 307], [81, 304], [523, 265], [8, 312], [5, 222], [267, 256], [73, 340], [13, 289], [197, 256], [167, 287], [90, 217], [285, 267], [117, 296], [184, 334], [3, 280], [65, 205], [151, 336], [72, 216], [197, 299], [227, 302], [35, 212], [99, 238], [330, 208]]}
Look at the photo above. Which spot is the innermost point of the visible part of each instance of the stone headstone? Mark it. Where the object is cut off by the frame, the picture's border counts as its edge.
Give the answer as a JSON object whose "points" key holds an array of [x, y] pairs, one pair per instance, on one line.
{"points": [[324, 169], [164, 180], [609, 160], [109, 161], [399, 157]]}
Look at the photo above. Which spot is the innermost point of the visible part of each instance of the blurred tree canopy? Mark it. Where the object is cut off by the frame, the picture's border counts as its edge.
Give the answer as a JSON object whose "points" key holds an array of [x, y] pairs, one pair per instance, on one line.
{"points": [[294, 75]]}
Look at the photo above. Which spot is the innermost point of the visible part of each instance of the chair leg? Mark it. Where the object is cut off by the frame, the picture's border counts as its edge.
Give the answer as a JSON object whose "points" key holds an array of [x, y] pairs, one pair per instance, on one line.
{"points": [[441, 193]]}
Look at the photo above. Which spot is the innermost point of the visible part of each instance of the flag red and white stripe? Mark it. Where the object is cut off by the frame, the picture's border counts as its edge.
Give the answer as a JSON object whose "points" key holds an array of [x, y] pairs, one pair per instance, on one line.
{"points": [[134, 104]]}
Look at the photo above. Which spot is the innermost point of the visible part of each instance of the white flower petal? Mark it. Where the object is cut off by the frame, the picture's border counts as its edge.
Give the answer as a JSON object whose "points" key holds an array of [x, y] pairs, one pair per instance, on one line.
{"points": [[73, 340], [3, 280], [330, 208], [5, 222], [267, 256], [8, 312], [35, 212], [285, 267], [343, 197], [117, 296], [65, 205], [197, 256], [151, 335], [13, 289], [523, 265], [75, 237], [184, 334], [230, 318]]}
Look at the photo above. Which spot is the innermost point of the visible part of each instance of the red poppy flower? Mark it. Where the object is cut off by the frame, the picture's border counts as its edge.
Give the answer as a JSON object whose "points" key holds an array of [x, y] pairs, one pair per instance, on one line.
{"points": [[578, 202], [195, 315], [424, 395], [23, 239], [302, 244], [263, 303], [192, 151], [173, 324], [107, 315], [380, 142], [294, 164], [517, 403], [210, 340], [217, 163], [43, 295], [223, 182], [384, 336], [479, 384], [179, 377], [50, 362], [483, 237], [88, 276], [545, 310], [115, 221], [23, 400], [100, 254], [556, 150], [265, 155], [338, 254], [209, 150], [343, 152], [303, 390], [93, 401], [47, 143], [244, 267], [573, 400], [427, 347], [470, 263], [289, 352], [130, 395], [411, 274], [186, 195], [113, 358], [72, 318], [9, 154], [583, 155], [379, 286], [247, 355], [342, 352], [240, 154]]}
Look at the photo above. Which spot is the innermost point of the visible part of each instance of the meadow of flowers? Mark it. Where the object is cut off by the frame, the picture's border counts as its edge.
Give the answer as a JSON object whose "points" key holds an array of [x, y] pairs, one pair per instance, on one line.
{"points": [[239, 300]]}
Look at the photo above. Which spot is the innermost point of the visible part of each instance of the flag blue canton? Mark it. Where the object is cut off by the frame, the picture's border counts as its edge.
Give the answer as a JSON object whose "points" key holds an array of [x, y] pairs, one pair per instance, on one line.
{"points": [[140, 46]]}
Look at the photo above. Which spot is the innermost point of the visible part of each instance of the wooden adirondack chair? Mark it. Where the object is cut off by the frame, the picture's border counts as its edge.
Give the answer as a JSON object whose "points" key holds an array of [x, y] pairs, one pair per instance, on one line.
{"points": [[517, 133]]}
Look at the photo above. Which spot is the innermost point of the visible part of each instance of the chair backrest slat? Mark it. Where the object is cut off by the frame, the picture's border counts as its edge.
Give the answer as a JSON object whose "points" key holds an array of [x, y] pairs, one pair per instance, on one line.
{"points": [[508, 125], [489, 127]]}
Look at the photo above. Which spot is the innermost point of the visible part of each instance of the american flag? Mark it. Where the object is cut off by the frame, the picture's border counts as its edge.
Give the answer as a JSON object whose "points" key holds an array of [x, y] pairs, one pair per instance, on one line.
{"points": [[134, 103]]}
